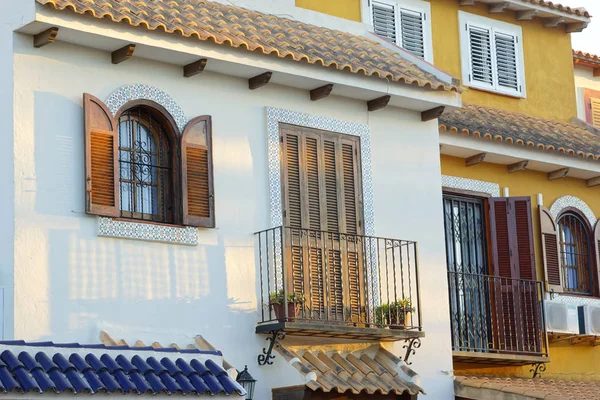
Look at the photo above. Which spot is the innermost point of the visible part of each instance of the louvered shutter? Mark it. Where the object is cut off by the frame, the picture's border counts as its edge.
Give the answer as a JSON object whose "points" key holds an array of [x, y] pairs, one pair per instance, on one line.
{"points": [[550, 251], [597, 250], [507, 72], [412, 32], [101, 159], [480, 56], [384, 20], [595, 111], [197, 173]]}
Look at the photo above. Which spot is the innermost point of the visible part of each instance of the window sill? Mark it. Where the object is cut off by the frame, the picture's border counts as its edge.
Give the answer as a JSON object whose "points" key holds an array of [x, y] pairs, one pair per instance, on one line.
{"points": [[576, 299], [147, 231], [492, 91]]}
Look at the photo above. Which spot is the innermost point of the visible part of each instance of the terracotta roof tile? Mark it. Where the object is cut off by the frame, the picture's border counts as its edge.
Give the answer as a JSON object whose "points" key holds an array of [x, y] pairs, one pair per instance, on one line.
{"points": [[241, 28], [576, 139], [579, 11], [531, 388], [586, 59], [368, 370]]}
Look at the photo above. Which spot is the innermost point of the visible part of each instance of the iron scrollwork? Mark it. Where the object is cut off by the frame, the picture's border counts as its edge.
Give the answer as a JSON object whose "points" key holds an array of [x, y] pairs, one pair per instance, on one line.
{"points": [[413, 344], [266, 357], [537, 370]]}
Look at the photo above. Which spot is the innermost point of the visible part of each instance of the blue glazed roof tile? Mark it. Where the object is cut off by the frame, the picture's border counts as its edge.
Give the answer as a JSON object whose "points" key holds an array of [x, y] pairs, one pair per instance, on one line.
{"points": [[56, 370]]}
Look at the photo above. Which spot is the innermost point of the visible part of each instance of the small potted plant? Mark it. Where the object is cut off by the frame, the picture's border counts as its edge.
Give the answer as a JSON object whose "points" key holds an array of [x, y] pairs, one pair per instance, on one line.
{"points": [[276, 301], [394, 315]]}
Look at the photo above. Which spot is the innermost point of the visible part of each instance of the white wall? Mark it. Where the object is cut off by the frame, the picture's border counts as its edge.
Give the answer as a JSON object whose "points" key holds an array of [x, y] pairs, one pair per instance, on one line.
{"points": [[584, 79], [69, 283]]}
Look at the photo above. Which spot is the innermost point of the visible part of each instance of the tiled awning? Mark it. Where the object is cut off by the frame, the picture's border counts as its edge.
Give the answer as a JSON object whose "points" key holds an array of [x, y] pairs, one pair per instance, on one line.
{"points": [[577, 139], [370, 370], [480, 388], [269, 34], [45, 367]]}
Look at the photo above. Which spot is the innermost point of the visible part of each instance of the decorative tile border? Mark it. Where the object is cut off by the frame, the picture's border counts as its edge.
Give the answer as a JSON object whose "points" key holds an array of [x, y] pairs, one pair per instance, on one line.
{"points": [[124, 94], [456, 182], [576, 301], [571, 201], [109, 227], [275, 116]]}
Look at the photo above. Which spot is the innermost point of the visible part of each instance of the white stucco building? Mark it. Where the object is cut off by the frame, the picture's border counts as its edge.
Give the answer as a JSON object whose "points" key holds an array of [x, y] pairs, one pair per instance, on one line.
{"points": [[140, 274]]}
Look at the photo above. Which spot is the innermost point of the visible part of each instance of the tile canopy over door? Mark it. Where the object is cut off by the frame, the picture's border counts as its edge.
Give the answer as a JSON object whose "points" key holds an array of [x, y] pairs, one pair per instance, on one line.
{"points": [[322, 198]]}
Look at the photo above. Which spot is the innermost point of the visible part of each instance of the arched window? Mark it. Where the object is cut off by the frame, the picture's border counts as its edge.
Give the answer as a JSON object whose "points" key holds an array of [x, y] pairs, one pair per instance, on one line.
{"points": [[575, 253], [145, 167]]}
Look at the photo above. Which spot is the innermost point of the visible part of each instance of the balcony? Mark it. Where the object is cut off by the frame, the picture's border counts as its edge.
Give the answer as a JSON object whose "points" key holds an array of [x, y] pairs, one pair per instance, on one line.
{"points": [[497, 320], [335, 285]]}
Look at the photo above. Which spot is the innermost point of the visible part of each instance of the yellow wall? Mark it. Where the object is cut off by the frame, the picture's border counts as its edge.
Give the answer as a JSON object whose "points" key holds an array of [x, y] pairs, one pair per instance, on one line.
{"points": [[547, 53], [348, 9], [580, 362]]}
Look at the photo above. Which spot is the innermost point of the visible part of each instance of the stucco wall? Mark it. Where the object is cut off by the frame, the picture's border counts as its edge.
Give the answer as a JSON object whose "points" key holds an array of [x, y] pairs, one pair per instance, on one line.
{"points": [[348, 9], [69, 282], [584, 79], [568, 362]]}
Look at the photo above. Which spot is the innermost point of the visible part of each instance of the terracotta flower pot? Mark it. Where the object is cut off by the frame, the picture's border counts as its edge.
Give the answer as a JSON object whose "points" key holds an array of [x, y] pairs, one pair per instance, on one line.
{"points": [[280, 311]]}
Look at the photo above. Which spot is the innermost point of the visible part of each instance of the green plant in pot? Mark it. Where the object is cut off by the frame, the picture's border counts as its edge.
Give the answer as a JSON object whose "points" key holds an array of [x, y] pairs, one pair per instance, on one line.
{"points": [[277, 303], [396, 315]]}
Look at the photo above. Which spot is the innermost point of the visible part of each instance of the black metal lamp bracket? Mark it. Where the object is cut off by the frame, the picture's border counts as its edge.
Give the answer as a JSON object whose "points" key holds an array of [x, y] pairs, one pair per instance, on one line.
{"points": [[413, 344], [537, 370], [266, 357]]}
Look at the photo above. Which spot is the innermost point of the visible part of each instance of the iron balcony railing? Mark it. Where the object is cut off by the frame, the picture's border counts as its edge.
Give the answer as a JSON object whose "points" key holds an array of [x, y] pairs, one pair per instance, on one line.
{"points": [[336, 278], [490, 314]]}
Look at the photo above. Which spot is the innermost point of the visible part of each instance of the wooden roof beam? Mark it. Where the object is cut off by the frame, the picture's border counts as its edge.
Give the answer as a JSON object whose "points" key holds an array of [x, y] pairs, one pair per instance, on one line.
{"points": [[596, 72], [466, 2], [553, 22], [259, 80], [474, 160], [433, 113], [519, 166], [378, 103], [558, 174], [496, 8], [123, 54], [321, 92], [575, 27], [45, 37], [526, 15], [194, 68], [593, 182]]}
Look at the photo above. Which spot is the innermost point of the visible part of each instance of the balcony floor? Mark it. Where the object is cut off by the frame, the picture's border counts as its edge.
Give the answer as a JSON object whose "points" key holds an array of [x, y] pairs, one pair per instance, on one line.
{"points": [[498, 358], [319, 329]]}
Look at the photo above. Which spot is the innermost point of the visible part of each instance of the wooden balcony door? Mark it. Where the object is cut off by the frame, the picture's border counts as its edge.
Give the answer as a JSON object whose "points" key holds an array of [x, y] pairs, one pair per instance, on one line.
{"points": [[322, 198]]}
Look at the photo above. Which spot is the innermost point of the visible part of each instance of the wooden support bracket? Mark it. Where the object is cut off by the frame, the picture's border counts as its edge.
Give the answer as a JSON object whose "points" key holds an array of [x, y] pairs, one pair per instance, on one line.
{"points": [[474, 160], [378, 103], [433, 113], [123, 54], [466, 2], [45, 37], [259, 80], [194, 68], [321, 92], [496, 8], [553, 22], [559, 173], [575, 27], [518, 166], [526, 15], [593, 182]]}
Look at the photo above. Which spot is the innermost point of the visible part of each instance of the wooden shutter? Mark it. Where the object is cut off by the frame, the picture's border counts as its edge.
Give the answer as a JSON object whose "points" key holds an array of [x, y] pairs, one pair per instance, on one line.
{"points": [[595, 111], [550, 251], [384, 20], [596, 248], [101, 159], [412, 34], [591, 99], [480, 55], [197, 173], [507, 72]]}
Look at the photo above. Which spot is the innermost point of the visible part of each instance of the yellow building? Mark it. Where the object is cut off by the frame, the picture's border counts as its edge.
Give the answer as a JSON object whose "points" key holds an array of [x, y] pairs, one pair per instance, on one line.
{"points": [[521, 185]]}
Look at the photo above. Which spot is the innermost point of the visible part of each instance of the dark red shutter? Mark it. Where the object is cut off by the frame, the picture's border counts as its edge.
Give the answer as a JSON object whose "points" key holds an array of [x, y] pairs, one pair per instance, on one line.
{"points": [[550, 252]]}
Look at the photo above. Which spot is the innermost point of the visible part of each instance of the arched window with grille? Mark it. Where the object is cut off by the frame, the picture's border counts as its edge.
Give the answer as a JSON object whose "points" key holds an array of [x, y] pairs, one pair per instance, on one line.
{"points": [[575, 253]]}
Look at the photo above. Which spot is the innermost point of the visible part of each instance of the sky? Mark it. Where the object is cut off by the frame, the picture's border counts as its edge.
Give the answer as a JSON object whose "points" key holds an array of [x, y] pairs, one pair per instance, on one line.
{"points": [[588, 40]]}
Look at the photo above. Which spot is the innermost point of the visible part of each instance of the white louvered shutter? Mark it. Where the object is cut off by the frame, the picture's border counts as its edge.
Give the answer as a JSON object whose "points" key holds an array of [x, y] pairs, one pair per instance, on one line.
{"points": [[506, 61], [595, 111], [480, 56], [384, 20], [412, 32]]}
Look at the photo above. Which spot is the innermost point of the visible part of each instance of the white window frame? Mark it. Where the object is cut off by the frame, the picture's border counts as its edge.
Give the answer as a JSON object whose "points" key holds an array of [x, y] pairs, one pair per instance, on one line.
{"points": [[420, 6], [465, 19]]}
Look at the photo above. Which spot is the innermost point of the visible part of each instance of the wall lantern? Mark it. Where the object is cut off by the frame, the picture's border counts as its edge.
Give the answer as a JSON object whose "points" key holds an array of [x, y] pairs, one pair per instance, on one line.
{"points": [[247, 381]]}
